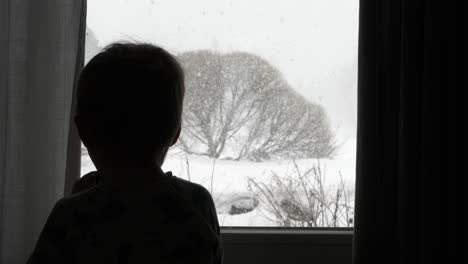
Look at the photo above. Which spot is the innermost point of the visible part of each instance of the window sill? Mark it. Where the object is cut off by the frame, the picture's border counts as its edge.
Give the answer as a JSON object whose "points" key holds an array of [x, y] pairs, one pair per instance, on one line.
{"points": [[282, 245]]}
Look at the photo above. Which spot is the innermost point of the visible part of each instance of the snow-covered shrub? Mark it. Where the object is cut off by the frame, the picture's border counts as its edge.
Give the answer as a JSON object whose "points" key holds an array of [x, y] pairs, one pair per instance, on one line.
{"points": [[300, 199]]}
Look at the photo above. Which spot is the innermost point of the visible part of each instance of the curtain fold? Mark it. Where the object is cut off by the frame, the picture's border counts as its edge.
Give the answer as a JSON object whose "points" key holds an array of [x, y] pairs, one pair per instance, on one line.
{"points": [[40, 45], [410, 132], [73, 163]]}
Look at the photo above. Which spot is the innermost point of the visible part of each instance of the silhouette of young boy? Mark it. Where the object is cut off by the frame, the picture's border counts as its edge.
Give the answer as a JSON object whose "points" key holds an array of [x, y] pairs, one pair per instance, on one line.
{"points": [[129, 108]]}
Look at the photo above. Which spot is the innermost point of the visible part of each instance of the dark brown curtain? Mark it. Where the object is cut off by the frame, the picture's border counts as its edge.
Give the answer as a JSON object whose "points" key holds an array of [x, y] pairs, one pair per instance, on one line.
{"points": [[411, 146]]}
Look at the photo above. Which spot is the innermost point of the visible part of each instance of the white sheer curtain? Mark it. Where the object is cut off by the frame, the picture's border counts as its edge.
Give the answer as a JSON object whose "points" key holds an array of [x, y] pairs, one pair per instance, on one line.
{"points": [[40, 48]]}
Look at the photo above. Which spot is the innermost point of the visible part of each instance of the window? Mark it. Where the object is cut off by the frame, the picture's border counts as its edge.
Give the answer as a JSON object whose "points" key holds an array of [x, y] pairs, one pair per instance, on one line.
{"points": [[286, 71]]}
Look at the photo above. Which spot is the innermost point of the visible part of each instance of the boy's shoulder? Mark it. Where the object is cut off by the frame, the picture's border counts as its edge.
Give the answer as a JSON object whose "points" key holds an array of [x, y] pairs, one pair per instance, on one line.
{"points": [[192, 191], [81, 201]]}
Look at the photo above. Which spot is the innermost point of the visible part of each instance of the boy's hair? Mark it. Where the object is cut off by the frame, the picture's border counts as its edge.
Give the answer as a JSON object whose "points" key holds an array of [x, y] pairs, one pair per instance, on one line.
{"points": [[132, 96]]}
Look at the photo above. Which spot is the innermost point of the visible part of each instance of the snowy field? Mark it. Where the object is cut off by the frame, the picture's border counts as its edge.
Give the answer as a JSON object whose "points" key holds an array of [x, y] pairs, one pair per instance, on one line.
{"points": [[229, 181]]}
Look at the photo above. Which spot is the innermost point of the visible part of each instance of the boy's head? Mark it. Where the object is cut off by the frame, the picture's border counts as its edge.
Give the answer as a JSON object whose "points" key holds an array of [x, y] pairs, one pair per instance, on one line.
{"points": [[129, 105]]}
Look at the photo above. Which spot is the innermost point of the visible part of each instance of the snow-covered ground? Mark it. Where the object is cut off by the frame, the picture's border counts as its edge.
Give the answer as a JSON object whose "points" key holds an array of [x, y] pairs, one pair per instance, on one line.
{"points": [[229, 179]]}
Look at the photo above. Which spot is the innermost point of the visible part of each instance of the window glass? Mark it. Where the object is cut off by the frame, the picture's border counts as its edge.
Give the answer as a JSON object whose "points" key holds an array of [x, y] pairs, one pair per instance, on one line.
{"points": [[274, 139]]}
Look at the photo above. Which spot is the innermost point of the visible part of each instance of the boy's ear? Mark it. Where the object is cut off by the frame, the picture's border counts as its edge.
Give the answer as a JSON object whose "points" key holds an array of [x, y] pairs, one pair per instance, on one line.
{"points": [[176, 136], [83, 129]]}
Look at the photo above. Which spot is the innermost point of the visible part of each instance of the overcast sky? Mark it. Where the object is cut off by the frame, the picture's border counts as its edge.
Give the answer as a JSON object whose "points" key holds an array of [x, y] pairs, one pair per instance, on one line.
{"points": [[313, 42]]}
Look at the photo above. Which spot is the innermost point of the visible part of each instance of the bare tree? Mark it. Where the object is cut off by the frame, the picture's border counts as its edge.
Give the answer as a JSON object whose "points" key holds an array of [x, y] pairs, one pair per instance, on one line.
{"points": [[289, 127], [240, 105], [204, 103]]}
